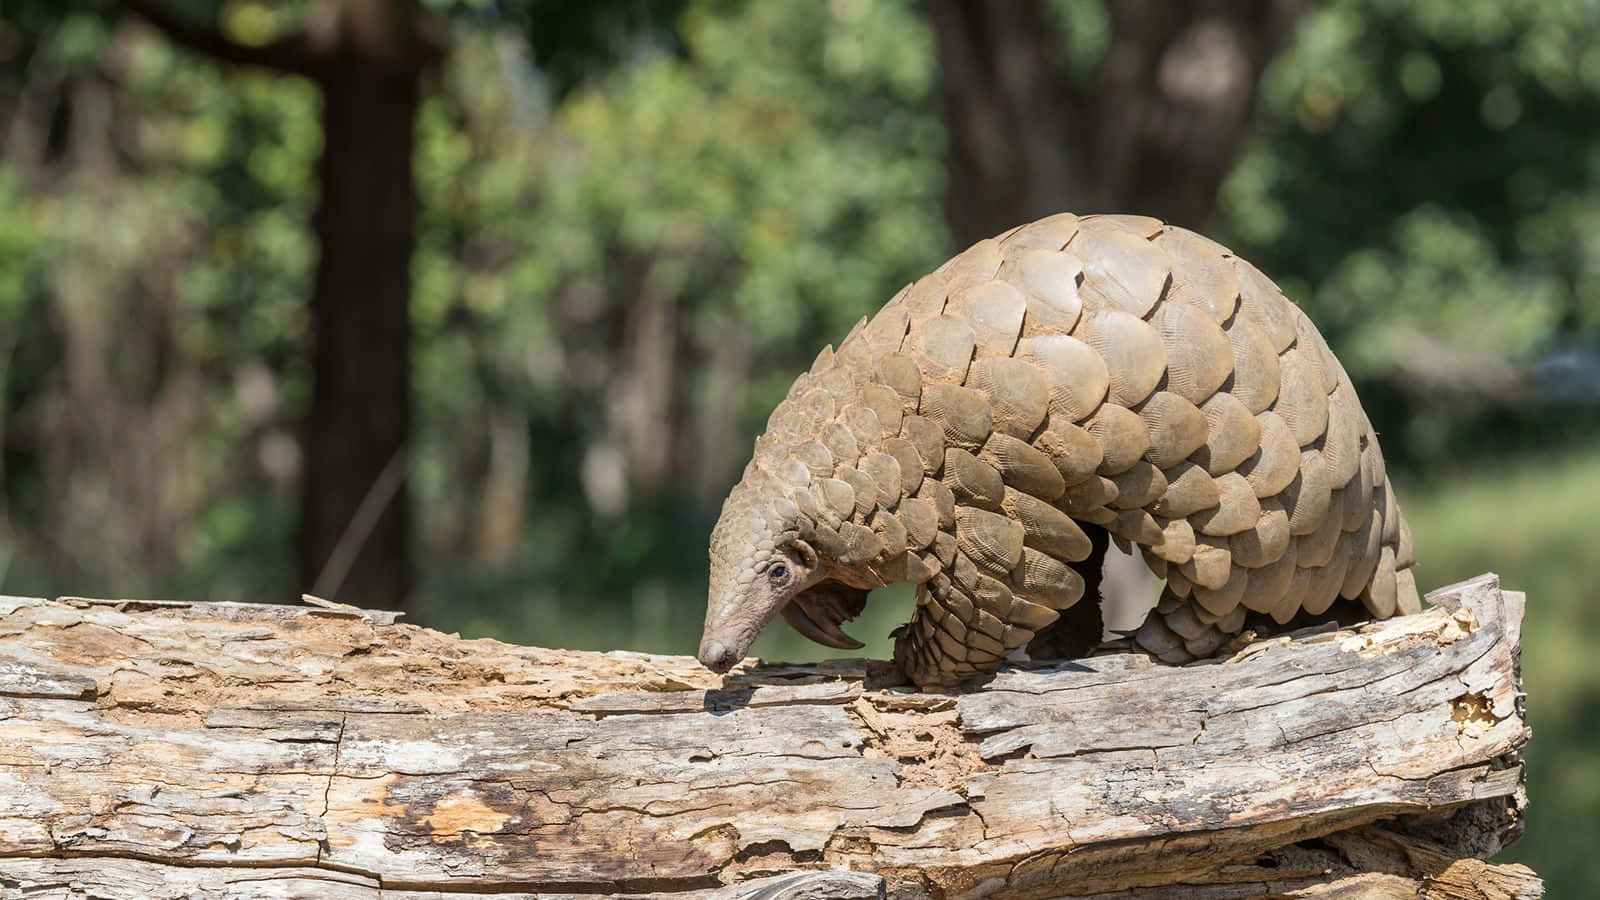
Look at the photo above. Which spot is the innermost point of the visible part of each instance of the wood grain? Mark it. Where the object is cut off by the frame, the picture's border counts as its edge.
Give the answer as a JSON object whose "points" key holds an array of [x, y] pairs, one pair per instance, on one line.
{"points": [[173, 749]]}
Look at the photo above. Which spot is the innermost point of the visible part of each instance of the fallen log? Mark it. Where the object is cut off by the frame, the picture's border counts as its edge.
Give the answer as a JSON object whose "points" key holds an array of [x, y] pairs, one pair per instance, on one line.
{"points": [[209, 750]]}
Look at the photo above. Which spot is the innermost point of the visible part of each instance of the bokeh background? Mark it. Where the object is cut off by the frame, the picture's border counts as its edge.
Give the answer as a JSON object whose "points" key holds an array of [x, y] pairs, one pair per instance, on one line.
{"points": [[475, 306]]}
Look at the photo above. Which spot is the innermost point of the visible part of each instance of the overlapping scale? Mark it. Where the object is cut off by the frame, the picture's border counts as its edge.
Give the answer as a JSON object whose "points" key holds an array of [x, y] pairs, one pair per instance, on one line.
{"points": [[1101, 371], [1132, 350], [1121, 269]]}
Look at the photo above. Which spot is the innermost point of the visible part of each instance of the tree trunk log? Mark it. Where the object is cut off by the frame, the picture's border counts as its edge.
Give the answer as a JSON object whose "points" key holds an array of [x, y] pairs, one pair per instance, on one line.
{"points": [[211, 750]]}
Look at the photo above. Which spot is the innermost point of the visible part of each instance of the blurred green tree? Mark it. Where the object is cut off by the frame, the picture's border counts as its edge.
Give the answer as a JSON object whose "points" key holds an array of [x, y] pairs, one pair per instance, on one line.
{"points": [[161, 300], [1423, 178], [616, 294]]}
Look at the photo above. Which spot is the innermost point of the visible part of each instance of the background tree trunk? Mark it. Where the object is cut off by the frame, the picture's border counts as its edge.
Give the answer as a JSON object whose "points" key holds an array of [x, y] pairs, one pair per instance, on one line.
{"points": [[1152, 129], [354, 517], [368, 58]]}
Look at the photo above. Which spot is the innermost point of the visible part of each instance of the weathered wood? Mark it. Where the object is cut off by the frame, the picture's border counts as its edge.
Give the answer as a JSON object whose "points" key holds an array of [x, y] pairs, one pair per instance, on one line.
{"points": [[161, 749]]}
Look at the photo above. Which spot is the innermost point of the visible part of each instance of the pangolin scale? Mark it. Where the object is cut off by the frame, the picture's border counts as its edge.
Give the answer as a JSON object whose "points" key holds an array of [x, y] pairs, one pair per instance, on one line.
{"points": [[1071, 374]]}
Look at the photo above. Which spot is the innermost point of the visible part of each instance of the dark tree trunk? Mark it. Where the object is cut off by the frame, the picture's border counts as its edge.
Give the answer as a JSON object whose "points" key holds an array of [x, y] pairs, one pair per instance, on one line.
{"points": [[354, 532], [1153, 129], [1003, 85], [368, 57]]}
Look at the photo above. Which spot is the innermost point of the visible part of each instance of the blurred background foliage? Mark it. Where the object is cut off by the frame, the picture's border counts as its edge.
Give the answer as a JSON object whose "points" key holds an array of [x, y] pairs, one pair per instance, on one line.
{"points": [[635, 222]]}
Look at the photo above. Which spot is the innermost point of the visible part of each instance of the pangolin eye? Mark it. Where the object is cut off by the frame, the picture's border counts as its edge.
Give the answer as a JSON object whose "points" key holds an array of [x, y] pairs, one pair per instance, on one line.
{"points": [[778, 573]]}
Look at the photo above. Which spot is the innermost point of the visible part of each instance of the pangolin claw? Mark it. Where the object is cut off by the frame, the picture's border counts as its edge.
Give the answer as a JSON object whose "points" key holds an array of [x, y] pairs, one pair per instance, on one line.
{"points": [[820, 622]]}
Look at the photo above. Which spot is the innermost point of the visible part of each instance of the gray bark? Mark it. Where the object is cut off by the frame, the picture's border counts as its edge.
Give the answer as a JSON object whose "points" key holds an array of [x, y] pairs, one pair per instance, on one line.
{"points": [[228, 750]]}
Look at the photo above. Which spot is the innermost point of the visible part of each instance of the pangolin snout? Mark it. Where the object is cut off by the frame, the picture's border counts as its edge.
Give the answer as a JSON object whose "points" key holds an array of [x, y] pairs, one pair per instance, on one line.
{"points": [[716, 656]]}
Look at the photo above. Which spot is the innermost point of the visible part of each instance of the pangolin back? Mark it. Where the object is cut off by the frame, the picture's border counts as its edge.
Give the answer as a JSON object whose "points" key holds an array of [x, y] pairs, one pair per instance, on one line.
{"points": [[1109, 371]]}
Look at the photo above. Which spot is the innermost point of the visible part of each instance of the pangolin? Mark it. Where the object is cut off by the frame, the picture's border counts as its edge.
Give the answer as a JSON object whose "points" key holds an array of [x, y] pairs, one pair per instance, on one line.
{"points": [[1071, 375]]}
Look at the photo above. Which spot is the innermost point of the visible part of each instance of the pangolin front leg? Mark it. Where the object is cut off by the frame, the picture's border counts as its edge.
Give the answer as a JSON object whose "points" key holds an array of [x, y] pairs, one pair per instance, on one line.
{"points": [[1104, 371]]}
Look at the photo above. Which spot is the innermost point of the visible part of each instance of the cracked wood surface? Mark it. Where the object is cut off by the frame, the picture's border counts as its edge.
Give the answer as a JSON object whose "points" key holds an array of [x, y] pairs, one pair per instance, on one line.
{"points": [[255, 750]]}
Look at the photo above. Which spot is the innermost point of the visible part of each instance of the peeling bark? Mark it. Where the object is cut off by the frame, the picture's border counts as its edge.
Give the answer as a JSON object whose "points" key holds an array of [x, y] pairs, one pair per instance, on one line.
{"points": [[209, 750]]}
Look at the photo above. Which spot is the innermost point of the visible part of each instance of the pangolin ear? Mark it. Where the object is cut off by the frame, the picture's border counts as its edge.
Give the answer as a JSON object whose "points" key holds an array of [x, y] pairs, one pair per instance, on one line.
{"points": [[807, 553]]}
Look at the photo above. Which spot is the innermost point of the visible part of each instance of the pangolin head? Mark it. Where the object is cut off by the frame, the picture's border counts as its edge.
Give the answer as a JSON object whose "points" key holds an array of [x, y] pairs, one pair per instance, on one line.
{"points": [[759, 564]]}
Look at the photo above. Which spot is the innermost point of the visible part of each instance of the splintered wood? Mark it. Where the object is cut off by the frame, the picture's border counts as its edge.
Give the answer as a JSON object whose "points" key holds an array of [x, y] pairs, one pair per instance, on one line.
{"points": [[211, 750]]}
